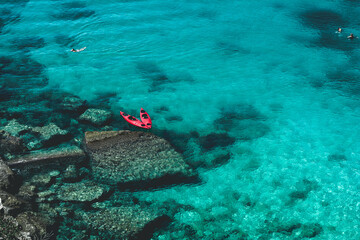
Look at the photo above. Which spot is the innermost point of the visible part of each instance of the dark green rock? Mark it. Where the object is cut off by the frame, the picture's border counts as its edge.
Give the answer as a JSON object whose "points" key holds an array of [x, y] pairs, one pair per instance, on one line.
{"points": [[10, 144], [71, 174], [6, 176], [96, 117]]}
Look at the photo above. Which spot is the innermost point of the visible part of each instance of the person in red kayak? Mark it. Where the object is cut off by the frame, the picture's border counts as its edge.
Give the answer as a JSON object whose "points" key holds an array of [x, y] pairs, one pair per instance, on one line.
{"points": [[78, 50]]}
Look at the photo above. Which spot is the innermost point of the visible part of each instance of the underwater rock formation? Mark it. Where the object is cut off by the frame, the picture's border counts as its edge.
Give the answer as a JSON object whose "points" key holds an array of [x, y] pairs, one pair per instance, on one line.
{"points": [[6, 174], [51, 135], [72, 104], [125, 222], [135, 159], [86, 191], [58, 158], [14, 128], [10, 144], [97, 117]]}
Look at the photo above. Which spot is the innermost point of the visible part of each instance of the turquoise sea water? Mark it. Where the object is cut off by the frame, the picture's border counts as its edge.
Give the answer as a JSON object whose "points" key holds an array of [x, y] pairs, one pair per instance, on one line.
{"points": [[272, 75]]}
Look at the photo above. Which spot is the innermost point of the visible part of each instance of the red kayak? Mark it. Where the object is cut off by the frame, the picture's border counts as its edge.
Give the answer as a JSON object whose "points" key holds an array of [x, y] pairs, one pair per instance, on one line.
{"points": [[145, 118], [134, 121]]}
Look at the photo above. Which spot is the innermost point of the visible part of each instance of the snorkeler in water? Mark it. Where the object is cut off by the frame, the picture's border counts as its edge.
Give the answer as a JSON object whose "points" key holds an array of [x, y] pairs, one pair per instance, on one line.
{"points": [[351, 36], [78, 50], [339, 30]]}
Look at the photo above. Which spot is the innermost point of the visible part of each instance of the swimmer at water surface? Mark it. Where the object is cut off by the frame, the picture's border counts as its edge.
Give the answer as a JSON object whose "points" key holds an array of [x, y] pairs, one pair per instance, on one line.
{"points": [[351, 36], [78, 50]]}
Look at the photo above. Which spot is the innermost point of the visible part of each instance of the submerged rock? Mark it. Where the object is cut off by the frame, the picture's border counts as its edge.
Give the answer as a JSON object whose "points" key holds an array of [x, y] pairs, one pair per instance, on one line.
{"points": [[27, 192], [6, 176], [87, 191], [57, 158], [125, 222], [11, 204], [135, 159], [10, 144], [14, 128], [96, 116], [71, 174], [72, 104], [51, 134], [35, 223], [214, 140]]}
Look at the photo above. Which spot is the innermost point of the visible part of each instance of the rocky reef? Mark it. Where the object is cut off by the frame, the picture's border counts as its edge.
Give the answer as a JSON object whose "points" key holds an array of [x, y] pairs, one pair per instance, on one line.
{"points": [[135, 159], [55, 188]]}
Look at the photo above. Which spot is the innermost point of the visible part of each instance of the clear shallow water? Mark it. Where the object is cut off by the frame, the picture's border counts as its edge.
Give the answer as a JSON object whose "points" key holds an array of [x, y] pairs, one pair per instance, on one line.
{"points": [[279, 66]]}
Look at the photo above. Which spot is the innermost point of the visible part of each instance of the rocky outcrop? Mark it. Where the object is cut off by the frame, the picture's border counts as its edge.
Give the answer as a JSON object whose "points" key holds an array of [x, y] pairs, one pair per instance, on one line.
{"points": [[6, 176], [96, 117], [125, 222], [62, 156], [35, 224], [10, 144], [33, 137], [11, 204], [135, 159]]}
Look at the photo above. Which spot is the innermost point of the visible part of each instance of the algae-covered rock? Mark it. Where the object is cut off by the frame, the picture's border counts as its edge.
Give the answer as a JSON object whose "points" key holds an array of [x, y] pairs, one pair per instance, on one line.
{"points": [[14, 128], [6, 176], [96, 116], [35, 223], [9, 228], [135, 159], [10, 144], [72, 104], [27, 192], [11, 204], [42, 180], [58, 158], [86, 191], [71, 174], [51, 135], [125, 222]]}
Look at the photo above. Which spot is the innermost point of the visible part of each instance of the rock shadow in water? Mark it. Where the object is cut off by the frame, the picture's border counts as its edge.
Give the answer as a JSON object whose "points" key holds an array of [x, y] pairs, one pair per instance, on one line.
{"points": [[74, 14], [292, 229], [150, 70], [302, 190], [214, 140], [27, 43], [74, 4], [323, 19], [66, 41], [177, 140], [7, 16], [159, 79], [73, 11], [343, 79], [246, 121], [21, 72]]}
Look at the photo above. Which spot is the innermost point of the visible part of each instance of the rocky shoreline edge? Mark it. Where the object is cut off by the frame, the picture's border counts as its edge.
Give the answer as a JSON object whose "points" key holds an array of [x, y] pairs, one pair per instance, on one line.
{"points": [[56, 184]]}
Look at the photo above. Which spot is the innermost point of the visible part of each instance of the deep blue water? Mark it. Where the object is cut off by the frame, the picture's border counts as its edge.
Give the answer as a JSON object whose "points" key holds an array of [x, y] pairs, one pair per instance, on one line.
{"points": [[271, 78]]}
